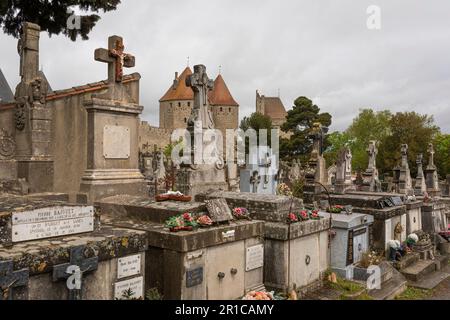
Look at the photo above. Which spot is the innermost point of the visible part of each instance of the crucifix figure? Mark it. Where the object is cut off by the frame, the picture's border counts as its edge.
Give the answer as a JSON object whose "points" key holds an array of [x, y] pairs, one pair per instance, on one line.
{"points": [[201, 85], [73, 271], [10, 279], [431, 152], [255, 179], [317, 134], [266, 163], [372, 151], [116, 59]]}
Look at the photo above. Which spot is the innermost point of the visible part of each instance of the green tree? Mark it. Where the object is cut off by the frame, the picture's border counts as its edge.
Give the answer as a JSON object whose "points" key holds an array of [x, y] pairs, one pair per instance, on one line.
{"points": [[368, 125], [442, 156], [257, 121], [337, 140], [52, 16], [299, 122], [411, 128]]}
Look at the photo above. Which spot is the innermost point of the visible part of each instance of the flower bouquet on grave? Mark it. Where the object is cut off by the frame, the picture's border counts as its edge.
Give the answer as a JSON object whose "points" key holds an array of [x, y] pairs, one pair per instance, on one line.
{"points": [[184, 222], [241, 214], [258, 295], [303, 215], [314, 215], [284, 190], [292, 218], [204, 221], [174, 196], [336, 209]]}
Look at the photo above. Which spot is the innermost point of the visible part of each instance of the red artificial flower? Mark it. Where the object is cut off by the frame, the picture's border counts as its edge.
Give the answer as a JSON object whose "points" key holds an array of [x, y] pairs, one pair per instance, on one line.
{"points": [[304, 214], [187, 217], [293, 217]]}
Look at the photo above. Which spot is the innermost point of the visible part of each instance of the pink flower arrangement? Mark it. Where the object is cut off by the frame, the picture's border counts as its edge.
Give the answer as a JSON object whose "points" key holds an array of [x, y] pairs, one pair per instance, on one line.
{"points": [[187, 217], [241, 213], [292, 217], [204, 221], [304, 215], [315, 215]]}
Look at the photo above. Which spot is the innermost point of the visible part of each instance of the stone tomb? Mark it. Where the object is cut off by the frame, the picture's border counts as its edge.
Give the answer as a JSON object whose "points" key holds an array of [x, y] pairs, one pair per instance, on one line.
{"points": [[30, 218], [220, 262], [295, 255], [353, 238], [435, 215], [389, 212]]}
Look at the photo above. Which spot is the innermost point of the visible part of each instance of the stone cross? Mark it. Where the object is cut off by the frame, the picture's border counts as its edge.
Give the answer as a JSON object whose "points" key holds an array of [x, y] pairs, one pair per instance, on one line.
{"points": [[317, 134], [74, 270], [266, 163], [372, 151], [431, 152], [116, 59], [10, 279], [255, 179], [201, 85], [28, 49], [419, 162], [404, 152]]}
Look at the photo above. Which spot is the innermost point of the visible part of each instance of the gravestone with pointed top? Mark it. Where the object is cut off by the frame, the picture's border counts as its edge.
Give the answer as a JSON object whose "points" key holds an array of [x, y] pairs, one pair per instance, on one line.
{"points": [[432, 179], [404, 173], [420, 188]]}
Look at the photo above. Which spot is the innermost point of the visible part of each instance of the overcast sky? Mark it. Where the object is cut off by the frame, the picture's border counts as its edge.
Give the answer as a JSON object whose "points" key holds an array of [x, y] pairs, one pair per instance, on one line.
{"points": [[321, 49]]}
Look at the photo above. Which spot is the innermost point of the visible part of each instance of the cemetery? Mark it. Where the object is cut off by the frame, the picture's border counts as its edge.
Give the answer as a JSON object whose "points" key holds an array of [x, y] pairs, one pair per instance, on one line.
{"points": [[90, 209]]}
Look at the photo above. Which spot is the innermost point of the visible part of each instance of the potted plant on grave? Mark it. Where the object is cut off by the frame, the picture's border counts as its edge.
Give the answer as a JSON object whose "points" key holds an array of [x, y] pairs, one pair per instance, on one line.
{"points": [[303, 215], [284, 190], [292, 218], [314, 215], [336, 209], [241, 214], [204, 221], [184, 222]]}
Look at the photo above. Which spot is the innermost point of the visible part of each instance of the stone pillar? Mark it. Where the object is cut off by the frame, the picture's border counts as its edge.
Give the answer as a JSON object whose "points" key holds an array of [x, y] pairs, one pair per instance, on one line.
{"points": [[33, 117], [404, 179], [371, 181], [113, 129], [432, 179], [420, 188]]}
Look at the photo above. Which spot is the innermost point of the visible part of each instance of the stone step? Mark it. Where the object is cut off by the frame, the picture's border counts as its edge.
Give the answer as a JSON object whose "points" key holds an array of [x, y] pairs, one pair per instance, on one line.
{"points": [[407, 261], [418, 270], [430, 281], [390, 289]]}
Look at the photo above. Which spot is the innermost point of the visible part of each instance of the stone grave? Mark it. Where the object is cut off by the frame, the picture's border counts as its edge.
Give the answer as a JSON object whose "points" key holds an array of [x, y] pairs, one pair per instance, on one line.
{"points": [[370, 179], [223, 261], [52, 250], [402, 174], [344, 181], [432, 179], [259, 175], [295, 254], [353, 238], [420, 187]]}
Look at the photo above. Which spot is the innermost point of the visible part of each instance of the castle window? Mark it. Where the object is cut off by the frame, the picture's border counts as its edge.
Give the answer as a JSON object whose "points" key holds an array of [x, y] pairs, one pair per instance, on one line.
{"points": [[171, 104], [221, 109], [229, 109], [179, 104], [185, 120], [189, 104]]}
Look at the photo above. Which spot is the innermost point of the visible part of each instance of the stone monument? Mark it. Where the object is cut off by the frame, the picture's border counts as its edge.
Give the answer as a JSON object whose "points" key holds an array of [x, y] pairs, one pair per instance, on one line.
{"points": [[259, 176], [404, 184], [33, 118], [113, 122], [316, 173], [344, 171], [371, 181], [432, 180], [201, 175], [420, 188]]}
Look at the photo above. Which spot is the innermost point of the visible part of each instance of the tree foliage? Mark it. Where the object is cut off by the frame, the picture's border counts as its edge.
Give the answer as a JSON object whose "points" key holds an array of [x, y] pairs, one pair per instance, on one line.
{"points": [[257, 121], [52, 16], [442, 157], [299, 122]]}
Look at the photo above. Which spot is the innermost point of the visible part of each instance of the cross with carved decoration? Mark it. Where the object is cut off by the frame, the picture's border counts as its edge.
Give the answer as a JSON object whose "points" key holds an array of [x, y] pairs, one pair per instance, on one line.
{"points": [[116, 58], [10, 279], [431, 152]]}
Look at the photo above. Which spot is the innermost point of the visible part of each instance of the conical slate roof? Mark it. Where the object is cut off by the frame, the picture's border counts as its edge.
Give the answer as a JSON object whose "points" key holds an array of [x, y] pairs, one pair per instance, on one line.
{"points": [[6, 94], [220, 95], [179, 90], [274, 108]]}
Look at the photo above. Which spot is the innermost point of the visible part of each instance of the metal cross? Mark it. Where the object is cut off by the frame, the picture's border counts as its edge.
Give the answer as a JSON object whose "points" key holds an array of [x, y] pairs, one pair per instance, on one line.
{"points": [[255, 179], [116, 58], [73, 272], [10, 279]]}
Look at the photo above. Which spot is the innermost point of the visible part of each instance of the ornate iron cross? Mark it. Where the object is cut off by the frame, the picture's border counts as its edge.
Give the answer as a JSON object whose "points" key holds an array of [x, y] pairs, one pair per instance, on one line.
{"points": [[116, 58], [10, 279], [73, 272]]}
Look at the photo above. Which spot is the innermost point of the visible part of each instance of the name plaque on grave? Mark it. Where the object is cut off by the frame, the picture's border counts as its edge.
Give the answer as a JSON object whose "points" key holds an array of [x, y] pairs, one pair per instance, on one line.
{"points": [[129, 289], [116, 142], [128, 266], [51, 222], [194, 277], [254, 257]]}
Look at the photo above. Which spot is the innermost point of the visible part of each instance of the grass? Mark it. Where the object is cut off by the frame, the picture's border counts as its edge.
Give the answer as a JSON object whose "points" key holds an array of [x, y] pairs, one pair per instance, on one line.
{"points": [[349, 290], [414, 294]]}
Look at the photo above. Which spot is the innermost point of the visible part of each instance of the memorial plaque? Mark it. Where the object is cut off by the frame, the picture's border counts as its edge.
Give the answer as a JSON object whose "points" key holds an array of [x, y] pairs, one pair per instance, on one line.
{"points": [[194, 277], [218, 210], [116, 142], [128, 266], [133, 286], [51, 222], [397, 201], [254, 258]]}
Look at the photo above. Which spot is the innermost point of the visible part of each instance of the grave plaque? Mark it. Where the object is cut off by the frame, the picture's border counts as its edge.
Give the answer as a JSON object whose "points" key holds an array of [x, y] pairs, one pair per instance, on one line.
{"points": [[194, 277], [116, 142], [218, 210], [51, 222], [131, 288], [254, 257], [128, 266], [397, 201]]}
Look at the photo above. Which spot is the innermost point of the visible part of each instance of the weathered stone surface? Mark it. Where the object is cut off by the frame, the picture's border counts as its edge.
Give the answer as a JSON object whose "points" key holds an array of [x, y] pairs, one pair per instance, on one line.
{"points": [[283, 231]]}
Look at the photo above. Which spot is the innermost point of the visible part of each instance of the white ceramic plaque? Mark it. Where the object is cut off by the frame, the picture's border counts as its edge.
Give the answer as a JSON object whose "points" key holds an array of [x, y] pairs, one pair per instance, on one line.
{"points": [[136, 285], [128, 266], [33, 231], [254, 258], [51, 222], [116, 142]]}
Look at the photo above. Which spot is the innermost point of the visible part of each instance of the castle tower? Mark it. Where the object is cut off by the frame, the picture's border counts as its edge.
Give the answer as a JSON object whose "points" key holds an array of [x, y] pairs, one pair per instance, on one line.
{"points": [[176, 105], [272, 107]]}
